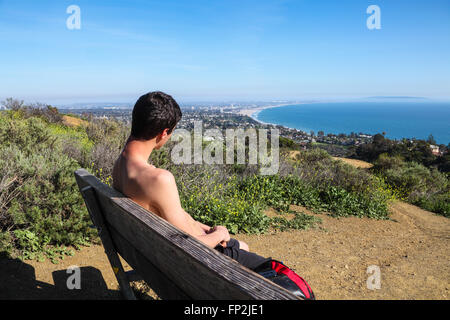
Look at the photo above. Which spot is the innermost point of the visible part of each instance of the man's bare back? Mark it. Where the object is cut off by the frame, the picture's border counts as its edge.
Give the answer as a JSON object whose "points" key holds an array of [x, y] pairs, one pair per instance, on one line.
{"points": [[156, 190]]}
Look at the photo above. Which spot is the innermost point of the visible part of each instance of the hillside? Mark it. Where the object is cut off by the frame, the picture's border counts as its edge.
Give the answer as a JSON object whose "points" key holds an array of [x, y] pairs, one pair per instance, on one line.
{"points": [[328, 218]]}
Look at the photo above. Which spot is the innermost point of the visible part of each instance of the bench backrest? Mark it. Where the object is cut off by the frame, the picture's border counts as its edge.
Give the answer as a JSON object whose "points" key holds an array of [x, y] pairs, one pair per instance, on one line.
{"points": [[174, 264]]}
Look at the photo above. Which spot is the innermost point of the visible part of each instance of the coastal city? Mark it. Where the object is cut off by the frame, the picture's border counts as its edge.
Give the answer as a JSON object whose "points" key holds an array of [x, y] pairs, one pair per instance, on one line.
{"points": [[238, 114], [233, 115]]}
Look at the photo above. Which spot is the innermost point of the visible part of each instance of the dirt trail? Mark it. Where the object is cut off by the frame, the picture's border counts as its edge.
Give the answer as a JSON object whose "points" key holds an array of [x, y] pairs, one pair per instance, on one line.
{"points": [[355, 163], [411, 250], [73, 122]]}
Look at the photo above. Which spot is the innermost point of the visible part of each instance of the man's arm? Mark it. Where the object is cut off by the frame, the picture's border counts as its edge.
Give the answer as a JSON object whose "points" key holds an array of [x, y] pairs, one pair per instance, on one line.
{"points": [[164, 195]]}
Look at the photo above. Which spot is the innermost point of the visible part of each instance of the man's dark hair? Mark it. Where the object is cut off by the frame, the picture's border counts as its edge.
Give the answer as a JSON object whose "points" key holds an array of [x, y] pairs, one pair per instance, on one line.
{"points": [[152, 113]]}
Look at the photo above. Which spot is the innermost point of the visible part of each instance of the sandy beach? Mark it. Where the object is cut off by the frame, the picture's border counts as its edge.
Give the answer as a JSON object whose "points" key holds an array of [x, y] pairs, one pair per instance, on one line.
{"points": [[252, 111]]}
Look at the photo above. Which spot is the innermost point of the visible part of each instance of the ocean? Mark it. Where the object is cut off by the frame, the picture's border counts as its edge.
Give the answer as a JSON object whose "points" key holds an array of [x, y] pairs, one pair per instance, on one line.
{"points": [[397, 119]]}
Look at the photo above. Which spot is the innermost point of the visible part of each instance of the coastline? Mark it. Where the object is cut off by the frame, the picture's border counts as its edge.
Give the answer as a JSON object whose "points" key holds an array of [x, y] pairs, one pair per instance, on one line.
{"points": [[253, 112], [437, 132]]}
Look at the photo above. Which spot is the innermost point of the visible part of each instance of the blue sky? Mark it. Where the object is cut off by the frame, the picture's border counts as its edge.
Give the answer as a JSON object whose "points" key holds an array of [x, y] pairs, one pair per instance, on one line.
{"points": [[223, 50]]}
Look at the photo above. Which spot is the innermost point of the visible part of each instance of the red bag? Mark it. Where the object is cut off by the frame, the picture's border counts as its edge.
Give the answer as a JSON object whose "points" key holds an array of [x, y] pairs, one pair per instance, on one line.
{"points": [[280, 274]]}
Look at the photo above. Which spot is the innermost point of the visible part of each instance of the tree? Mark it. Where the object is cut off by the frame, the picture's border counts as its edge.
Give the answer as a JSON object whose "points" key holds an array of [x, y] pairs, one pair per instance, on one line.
{"points": [[378, 139], [13, 104], [431, 140]]}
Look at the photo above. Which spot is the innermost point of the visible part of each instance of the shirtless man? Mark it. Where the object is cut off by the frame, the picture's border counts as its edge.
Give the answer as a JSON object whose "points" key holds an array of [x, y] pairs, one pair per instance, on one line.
{"points": [[155, 116]]}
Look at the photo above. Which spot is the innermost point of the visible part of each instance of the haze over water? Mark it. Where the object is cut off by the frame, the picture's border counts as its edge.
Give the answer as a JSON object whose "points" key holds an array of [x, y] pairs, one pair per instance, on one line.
{"points": [[398, 119]]}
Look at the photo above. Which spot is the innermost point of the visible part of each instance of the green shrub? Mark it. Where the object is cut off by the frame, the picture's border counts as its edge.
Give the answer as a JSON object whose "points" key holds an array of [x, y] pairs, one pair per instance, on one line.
{"points": [[425, 187], [108, 138], [439, 203], [40, 202], [281, 192], [210, 198], [317, 168]]}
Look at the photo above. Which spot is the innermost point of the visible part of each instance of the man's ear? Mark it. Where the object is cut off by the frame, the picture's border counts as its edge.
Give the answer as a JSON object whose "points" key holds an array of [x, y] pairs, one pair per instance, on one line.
{"points": [[165, 133], [162, 135]]}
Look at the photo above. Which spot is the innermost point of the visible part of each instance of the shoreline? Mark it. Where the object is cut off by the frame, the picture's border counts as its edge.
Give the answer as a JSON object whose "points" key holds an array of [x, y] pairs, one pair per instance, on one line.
{"points": [[253, 112]]}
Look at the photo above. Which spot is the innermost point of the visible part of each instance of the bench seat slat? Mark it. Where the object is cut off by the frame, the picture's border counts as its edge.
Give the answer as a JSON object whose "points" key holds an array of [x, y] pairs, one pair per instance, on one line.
{"points": [[160, 283]]}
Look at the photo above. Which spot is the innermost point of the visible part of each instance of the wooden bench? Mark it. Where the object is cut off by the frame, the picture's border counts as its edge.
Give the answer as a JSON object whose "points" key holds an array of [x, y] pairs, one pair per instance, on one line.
{"points": [[174, 264]]}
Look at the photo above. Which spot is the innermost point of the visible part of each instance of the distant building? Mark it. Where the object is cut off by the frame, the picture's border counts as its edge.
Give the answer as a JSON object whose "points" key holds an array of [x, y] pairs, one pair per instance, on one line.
{"points": [[435, 150], [208, 139]]}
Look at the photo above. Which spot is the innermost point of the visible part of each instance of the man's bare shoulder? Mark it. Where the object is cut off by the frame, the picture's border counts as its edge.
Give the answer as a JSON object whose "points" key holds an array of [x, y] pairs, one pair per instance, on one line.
{"points": [[152, 187], [159, 179]]}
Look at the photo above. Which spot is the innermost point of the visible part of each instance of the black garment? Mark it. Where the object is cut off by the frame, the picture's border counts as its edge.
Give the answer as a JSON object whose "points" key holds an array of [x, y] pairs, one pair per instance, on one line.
{"points": [[247, 259]]}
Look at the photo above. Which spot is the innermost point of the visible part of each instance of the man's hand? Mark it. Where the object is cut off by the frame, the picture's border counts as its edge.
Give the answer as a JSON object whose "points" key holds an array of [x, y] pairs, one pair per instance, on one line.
{"points": [[204, 227], [222, 230]]}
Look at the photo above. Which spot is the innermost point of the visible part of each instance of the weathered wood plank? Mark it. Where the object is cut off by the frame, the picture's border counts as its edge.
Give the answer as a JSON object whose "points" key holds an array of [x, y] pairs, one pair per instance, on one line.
{"points": [[157, 280], [198, 281], [97, 217], [197, 270]]}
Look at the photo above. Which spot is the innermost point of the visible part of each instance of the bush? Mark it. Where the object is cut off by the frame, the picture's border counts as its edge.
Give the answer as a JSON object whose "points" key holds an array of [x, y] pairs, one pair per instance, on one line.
{"points": [[211, 198], [281, 192], [40, 202], [318, 169], [425, 187], [108, 138], [439, 203], [385, 162]]}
